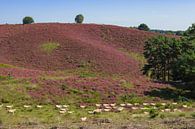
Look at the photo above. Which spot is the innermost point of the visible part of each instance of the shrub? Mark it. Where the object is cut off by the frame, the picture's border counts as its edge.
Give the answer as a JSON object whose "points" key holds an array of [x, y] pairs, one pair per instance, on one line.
{"points": [[79, 18], [28, 20], [153, 113], [143, 27]]}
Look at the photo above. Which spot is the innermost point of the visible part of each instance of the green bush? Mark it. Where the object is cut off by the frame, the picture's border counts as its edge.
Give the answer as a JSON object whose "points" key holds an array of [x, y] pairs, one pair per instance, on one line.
{"points": [[153, 113], [79, 18], [28, 20]]}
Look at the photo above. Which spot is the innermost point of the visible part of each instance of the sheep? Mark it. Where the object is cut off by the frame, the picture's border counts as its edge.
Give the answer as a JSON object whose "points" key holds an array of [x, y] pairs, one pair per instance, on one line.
{"points": [[167, 110], [106, 105], [70, 112], [63, 109], [120, 109], [83, 119], [97, 111], [9, 106], [65, 106], [162, 110], [174, 103], [122, 105], [146, 113], [134, 108], [62, 112], [145, 104], [153, 104], [107, 110], [129, 104], [91, 112], [39, 106], [98, 105], [163, 104], [12, 111], [27, 106], [113, 104], [82, 106], [184, 106], [58, 106]]}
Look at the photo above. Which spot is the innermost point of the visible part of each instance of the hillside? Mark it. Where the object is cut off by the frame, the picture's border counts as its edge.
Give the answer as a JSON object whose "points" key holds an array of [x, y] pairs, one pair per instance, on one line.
{"points": [[104, 50]]}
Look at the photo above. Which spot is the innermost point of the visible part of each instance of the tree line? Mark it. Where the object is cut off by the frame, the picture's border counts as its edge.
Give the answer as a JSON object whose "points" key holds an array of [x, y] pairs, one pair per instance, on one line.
{"points": [[171, 59]]}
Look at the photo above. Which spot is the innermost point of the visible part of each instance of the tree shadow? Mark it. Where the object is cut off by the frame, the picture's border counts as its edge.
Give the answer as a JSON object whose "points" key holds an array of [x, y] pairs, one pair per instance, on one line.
{"points": [[176, 92]]}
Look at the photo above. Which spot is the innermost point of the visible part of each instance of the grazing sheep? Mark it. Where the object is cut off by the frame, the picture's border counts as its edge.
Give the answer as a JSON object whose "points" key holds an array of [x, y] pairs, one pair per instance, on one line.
{"points": [[185, 106], [70, 112], [107, 110], [12, 111], [174, 103], [82, 106], [153, 104], [145, 104], [106, 105], [163, 104], [65, 106], [98, 105], [62, 112], [144, 108], [162, 110], [167, 110], [9, 106], [120, 109], [155, 108], [146, 113], [58, 106], [63, 109], [134, 108], [122, 105], [129, 104], [27, 106], [91, 112], [113, 104], [97, 111], [39, 106], [83, 119]]}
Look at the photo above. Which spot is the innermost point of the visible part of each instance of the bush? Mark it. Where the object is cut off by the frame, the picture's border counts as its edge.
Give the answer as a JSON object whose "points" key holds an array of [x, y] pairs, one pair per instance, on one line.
{"points": [[153, 113], [79, 18], [143, 27], [28, 20]]}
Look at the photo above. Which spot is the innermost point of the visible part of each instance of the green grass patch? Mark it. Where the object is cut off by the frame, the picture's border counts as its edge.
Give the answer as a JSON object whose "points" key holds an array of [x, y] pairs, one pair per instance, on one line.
{"points": [[49, 47], [130, 98], [126, 84], [6, 66]]}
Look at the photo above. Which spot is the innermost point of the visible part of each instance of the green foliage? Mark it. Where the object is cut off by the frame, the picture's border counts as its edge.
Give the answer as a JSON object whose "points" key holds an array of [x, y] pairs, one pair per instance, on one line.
{"points": [[28, 20], [131, 98], [49, 47], [153, 113], [161, 54], [143, 27], [79, 18]]}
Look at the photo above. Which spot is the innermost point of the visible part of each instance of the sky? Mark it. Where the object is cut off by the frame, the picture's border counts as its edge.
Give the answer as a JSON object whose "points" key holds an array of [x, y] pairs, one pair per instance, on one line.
{"points": [[157, 14]]}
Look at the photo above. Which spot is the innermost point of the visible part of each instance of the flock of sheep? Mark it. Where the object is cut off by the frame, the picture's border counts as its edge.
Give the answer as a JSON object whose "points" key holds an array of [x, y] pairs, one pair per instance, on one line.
{"points": [[106, 108]]}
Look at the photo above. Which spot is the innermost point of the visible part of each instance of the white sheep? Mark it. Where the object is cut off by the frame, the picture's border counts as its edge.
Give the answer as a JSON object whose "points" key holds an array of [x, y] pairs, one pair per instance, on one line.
{"points": [[12, 111], [62, 112], [83, 119], [65, 106], [185, 106], [107, 110], [97, 111], [120, 108], [98, 105], [82, 106], [129, 104], [39, 106], [145, 104], [9, 106], [27, 106], [122, 105], [113, 104]]}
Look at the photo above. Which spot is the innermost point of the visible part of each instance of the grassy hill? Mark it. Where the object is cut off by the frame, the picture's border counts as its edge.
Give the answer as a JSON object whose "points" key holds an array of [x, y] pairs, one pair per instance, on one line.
{"points": [[79, 65]]}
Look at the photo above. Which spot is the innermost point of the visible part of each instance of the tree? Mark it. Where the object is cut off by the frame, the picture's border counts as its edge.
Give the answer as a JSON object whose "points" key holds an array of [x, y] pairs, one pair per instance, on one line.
{"points": [[79, 18], [28, 20], [161, 53], [143, 27]]}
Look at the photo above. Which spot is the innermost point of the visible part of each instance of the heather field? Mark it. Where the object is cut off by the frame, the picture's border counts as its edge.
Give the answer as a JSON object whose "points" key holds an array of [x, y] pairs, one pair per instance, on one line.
{"points": [[84, 76]]}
